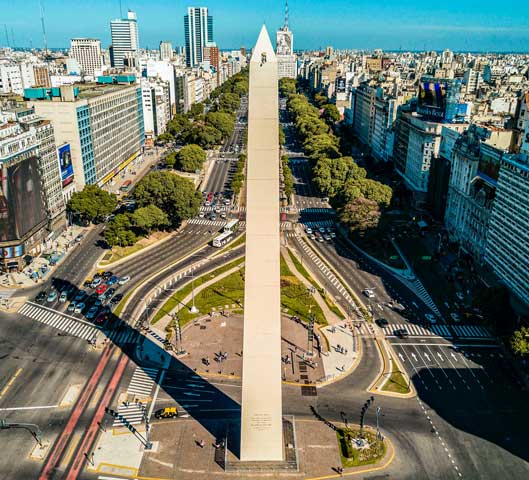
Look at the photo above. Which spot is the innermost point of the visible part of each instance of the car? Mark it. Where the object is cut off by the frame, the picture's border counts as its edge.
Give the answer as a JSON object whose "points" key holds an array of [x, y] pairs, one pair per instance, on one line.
{"points": [[71, 307], [213, 217], [63, 297], [327, 237], [227, 201], [41, 296], [369, 293], [332, 234], [79, 307], [382, 322], [321, 230], [430, 317], [79, 237], [401, 333], [92, 312], [81, 294], [123, 280], [112, 280], [308, 230], [201, 215], [110, 292], [313, 237], [320, 239], [97, 281], [102, 317], [88, 283], [223, 215], [207, 203], [107, 275], [116, 298], [455, 317], [168, 412], [101, 289]]}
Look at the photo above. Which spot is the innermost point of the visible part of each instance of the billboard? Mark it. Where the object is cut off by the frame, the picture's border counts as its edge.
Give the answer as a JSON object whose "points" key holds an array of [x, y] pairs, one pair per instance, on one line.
{"points": [[432, 99], [22, 204], [65, 163]]}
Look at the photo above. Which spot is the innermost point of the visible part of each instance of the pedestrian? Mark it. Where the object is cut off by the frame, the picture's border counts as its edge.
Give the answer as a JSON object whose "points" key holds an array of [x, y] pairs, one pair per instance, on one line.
{"points": [[340, 471]]}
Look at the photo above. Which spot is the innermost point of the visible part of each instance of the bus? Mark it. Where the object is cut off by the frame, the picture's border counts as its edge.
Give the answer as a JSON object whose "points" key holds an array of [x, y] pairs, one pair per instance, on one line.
{"points": [[231, 226], [127, 185], [222, 239]]}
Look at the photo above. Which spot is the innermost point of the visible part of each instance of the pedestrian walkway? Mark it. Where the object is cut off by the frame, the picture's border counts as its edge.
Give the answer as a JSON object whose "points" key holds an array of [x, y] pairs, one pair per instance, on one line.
{"points": [[65, 323], [140, 388], [205, 221], [446, 331], [343, 349], [421, 292], [318, 224], [122, 337], [317, 211]]}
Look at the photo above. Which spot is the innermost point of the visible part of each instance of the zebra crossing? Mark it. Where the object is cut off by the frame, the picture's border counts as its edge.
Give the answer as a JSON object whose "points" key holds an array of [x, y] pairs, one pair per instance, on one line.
{"points": [[218, 208], [445, 331], [140, 388], [121, 337], [317, 211], [318, 224], [421, 292], [65, 323], [205, 221]]}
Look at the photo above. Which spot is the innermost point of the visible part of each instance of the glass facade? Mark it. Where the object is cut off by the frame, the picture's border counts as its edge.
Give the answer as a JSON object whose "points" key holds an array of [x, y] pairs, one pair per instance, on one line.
{"points": [[87, 149]]}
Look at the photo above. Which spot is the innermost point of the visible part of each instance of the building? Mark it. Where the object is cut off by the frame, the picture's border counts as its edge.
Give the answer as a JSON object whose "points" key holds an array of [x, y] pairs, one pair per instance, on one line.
{"points": [[125, 39], [42, 76], [287, 65], [438, 99], [212, 55], [198, 31], [32, 210], [103, 123], [87, 52], [166, 50], [156, 108], [507, 250]]}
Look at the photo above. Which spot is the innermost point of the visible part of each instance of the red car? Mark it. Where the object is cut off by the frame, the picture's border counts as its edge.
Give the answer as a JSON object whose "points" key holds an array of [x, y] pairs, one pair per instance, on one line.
{"points": [[101, 289], [102, 317]]}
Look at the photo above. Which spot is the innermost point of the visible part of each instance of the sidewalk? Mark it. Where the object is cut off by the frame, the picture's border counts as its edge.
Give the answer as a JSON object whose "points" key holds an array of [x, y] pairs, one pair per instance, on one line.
{"points": [[43, 266]]}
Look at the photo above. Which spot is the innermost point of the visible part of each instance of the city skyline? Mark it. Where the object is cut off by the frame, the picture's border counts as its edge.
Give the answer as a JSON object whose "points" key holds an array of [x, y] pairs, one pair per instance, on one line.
{"points": [[461, 28]]}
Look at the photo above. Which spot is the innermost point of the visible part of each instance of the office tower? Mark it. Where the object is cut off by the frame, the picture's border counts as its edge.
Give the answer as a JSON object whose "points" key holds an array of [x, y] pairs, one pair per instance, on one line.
{"points": [[103, 123], [286, 60], [166, 50], [87, 52], [125, 40], [198, 30]]}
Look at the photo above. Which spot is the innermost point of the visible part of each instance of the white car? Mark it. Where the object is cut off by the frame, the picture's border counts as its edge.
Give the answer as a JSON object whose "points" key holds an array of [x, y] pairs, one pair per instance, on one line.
{"points": [[430, 317], [123, 280], [79, 307], [201, 214]]}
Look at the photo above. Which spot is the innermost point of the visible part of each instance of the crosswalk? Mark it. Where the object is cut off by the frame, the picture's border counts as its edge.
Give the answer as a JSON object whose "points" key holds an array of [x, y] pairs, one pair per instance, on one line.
{"points": [[317, 211], [140, 388], [318, 224], [65, 323], [213, 223], [446, 331], [122, 337], [421, 292], [218, 208]]}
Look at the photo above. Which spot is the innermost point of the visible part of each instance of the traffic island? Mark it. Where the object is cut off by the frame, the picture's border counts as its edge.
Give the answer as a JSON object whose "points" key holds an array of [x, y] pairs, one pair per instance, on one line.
{"points": [[360, 447]]}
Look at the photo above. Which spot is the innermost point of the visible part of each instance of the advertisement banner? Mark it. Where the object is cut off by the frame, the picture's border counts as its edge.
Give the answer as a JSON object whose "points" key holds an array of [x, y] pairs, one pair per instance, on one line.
{"points": [[22, 204], [65, 162], [432, 100]]}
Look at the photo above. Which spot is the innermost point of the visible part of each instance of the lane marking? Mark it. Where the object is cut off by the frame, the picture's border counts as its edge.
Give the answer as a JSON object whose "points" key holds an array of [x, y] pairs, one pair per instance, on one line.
{"points": [[12, 409], [10, 382]]}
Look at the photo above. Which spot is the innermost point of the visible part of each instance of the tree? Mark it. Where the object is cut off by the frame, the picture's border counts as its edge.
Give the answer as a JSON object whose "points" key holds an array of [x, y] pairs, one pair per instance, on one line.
{"points": [[174, 195], [205, 136], [229, 102], [177, 124], [170, 159], [92, 203], [165, 138], [320, 100], [222, 121], [240, 88], [331, 175], [149, 217], [520, 341], [331, 115], [281, 136], [288, 178], [360, 215], [190, 158], [376, 191], [287, 86], [196, 110], [118, 231]]}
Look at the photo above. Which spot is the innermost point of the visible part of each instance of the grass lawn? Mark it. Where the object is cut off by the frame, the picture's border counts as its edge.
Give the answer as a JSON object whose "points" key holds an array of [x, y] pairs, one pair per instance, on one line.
{"points": [[396, 382], [352, 457], [301, 269], [121, 305], [186, 290], [118, 253]]}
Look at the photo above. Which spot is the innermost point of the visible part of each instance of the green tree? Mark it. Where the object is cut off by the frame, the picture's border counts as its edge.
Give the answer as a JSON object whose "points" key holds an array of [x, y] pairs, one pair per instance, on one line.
{"points": [[165, 138], [360, 215], [118, 231], [190, 158], [149, 217], [331, 115], [229, 102], [520, 341], [196, 110], [281, 136], [205, 136], [174, 195], [224, 122], [288, 178], [240, 88], [170, 159], [92, 203], [320, 100], [376, 191], [331, 175], [287, 86], [177, 124]]}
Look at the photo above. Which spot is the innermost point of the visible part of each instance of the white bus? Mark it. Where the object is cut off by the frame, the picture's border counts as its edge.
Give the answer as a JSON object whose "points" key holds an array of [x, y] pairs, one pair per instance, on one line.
{"points": [[222, 239], [231, 226]]}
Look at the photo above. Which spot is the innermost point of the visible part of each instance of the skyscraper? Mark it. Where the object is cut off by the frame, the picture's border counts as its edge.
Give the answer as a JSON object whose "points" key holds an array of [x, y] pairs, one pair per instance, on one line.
{"points": [[198, 30], [166, 50], [125, 40], [286, 60], [87, 52]]}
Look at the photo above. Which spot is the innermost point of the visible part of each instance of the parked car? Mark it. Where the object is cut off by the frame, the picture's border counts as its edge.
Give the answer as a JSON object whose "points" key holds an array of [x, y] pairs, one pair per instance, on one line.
{"points": [[79, 237], [116, 298], [80, 296], [96, 282], [101, 289], [101, 318], [92, 312], [455, 317], [63, 297], [71, 307], [430, 317], [79, 307], [168, 412], [107, 275], [123, 280], [41, 296], [88, 282], [112, 280]]}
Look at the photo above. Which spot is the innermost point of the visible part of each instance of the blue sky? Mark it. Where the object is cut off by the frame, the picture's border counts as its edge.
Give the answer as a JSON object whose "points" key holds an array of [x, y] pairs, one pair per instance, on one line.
{"points": [[361, 24]]}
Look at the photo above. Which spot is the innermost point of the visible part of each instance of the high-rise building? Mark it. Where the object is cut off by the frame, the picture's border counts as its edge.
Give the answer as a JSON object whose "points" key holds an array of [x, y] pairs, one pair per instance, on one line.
{"points": [[198, 30], [286, 60], [125, 40], [211, 55], [103, 123], [166, 50], [87, 52], [507, 249]]}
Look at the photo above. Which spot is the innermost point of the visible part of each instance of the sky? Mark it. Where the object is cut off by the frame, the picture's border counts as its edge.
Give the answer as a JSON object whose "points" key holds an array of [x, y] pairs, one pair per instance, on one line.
{"points": [[465, 25]]}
